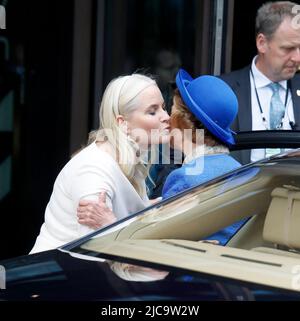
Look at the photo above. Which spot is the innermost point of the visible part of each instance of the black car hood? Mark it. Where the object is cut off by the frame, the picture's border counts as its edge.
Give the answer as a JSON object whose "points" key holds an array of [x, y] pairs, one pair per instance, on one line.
{"points": [[59, 276]]}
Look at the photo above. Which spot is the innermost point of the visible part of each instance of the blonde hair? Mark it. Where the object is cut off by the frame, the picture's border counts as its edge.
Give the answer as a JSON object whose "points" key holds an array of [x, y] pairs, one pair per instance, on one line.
{"points": [[121, 98]]}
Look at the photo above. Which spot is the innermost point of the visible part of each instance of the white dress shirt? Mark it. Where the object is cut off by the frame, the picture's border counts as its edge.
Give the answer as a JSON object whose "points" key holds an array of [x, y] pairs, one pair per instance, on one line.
{"points": [[261, 82]]}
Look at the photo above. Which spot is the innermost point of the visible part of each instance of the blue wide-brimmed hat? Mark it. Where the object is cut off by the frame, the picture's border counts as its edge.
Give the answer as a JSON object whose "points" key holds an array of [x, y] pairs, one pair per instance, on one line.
{"points": [[212, 101]]}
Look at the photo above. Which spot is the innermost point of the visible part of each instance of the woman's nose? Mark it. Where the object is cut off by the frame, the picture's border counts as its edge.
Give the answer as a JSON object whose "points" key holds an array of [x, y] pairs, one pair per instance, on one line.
{"points": [[165, 117]]}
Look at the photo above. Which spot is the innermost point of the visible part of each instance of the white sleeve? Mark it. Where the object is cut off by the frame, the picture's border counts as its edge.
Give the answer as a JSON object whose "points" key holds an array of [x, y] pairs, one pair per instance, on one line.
{"points": [[89, 181], [87, 184]]}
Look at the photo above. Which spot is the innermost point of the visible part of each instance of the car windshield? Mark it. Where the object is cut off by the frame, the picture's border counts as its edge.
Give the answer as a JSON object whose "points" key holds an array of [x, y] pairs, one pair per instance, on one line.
{"points": [[172, 232], [179, 204]]}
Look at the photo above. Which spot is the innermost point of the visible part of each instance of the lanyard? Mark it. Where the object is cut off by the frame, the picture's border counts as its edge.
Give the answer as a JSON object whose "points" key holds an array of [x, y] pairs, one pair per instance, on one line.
{"points": [[259, 104]]}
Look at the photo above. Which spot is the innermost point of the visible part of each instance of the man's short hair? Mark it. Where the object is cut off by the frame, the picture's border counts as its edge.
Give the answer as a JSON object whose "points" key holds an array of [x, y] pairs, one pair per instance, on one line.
{"points": [[270, 16]]}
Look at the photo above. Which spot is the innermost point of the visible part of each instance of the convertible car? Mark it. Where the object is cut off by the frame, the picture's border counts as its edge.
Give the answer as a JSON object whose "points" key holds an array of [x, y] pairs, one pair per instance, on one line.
{"points": [[161, 253]]}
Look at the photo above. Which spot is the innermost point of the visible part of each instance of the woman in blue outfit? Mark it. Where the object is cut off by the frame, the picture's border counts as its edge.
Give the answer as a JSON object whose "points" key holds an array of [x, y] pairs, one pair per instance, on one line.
{"points": [[203, 110]]}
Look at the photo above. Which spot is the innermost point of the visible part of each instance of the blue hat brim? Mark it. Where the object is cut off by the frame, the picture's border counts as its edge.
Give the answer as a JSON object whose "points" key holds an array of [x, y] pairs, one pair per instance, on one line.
{"points": [[182, 80]]}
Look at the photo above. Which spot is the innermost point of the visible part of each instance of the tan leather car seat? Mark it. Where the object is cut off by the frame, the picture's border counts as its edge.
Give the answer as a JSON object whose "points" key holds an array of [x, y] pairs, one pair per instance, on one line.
{"points": [[282, 223]]}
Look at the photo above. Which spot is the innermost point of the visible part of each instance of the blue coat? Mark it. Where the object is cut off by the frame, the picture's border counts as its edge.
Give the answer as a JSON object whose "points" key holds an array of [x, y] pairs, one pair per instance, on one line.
{"points": [[198, 171]]}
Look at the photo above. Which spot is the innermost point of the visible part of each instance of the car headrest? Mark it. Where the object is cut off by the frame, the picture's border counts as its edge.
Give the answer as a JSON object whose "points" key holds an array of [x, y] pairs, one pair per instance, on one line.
{"points": [[282, 223]]}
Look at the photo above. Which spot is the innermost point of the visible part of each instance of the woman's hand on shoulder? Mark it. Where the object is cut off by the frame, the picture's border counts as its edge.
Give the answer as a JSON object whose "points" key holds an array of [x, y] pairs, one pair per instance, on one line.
{"points": [[95, 214]]}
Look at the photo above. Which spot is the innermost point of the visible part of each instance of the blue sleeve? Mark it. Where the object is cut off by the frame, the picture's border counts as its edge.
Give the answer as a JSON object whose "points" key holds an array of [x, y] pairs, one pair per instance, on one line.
{"points": [[175, 183], [226, 233]]}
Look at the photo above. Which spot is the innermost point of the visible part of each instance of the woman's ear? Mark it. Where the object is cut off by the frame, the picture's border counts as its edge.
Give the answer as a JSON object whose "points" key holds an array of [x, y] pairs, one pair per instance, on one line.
{"points": [[122, 124], [120, 120]]}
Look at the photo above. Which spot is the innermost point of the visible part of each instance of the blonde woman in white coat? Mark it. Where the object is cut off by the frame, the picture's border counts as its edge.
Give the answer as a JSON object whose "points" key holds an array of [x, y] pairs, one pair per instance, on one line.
{"points": [[132, 118]]}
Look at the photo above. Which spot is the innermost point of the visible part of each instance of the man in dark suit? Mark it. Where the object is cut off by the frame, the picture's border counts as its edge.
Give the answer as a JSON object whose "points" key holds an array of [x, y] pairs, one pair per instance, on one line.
{"points": [[277, 61]]}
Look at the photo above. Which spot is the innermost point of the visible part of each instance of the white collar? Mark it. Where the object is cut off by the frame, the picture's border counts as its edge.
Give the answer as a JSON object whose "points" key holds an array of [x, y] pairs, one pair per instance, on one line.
{"points": [[203, 150], [260, 79]]}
